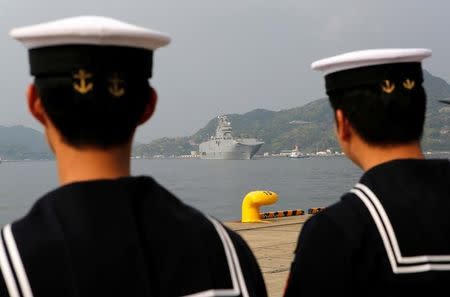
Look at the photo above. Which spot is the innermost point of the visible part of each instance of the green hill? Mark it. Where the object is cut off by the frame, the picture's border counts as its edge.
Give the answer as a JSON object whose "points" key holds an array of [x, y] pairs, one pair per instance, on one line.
{"points": [[166, 147], [437, 126], [309, 126], [19, 143]]}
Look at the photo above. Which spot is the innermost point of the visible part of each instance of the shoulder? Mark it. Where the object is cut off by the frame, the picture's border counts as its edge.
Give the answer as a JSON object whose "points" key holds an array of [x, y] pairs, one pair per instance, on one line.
{"points": [[346, 220], [34, 244], [179, 222], [416, 173], [25, 245], [347, 212], [326, 247], [176, 214], [40, 224], [218, 255]]}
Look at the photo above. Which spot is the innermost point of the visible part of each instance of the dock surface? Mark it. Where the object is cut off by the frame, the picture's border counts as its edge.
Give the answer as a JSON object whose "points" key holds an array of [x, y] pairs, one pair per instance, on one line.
{"points": [[273, 243]]}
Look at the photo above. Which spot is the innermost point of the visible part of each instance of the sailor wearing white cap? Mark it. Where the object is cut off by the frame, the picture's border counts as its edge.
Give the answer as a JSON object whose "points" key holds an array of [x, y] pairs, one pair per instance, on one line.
{"points": [[390, 233], [103, 232]]}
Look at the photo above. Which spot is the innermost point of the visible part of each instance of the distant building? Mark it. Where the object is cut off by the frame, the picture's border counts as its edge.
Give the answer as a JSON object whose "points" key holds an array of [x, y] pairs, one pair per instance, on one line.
{"points": [[299, 122], [285, 153]]}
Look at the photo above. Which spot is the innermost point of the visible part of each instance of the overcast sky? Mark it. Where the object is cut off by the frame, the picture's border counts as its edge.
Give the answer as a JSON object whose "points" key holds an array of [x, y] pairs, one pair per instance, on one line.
{"points": [[233, 56]]}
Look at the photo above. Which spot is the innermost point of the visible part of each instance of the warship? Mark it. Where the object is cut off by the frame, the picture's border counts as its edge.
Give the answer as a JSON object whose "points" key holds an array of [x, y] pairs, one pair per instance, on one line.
{"points": [[224, 146]]}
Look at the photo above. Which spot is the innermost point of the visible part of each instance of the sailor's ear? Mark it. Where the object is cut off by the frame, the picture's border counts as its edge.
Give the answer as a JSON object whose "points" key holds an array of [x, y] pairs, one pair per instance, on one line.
{"points": [[150, 107], [344, 129], [35, 105]]}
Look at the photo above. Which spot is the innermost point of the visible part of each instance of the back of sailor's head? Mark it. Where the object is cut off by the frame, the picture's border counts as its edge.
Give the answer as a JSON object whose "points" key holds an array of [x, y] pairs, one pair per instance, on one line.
{"points": [[92, 74], [379, 91]]}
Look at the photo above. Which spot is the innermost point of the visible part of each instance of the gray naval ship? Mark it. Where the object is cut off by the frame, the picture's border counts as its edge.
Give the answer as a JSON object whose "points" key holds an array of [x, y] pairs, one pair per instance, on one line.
{"points": [[224, 146]]}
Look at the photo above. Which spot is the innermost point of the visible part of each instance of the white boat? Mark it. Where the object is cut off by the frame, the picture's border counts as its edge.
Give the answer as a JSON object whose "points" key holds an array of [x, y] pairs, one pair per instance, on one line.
{"points": [[296, 153]]}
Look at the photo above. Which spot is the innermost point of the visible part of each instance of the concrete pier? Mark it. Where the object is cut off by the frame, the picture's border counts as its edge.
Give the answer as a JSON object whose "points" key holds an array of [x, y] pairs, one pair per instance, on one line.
{"points": [[273, 243]]}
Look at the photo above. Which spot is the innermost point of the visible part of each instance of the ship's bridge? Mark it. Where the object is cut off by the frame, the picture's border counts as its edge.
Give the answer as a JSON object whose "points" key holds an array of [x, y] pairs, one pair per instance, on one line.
{"points": [[224, 129]]}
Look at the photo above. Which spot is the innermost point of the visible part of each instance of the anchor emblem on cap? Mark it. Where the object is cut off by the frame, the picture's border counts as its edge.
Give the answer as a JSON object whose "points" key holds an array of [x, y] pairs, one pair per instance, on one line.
{"points": [[388, 87], [409, 84], [114, 87], [83, 86]]}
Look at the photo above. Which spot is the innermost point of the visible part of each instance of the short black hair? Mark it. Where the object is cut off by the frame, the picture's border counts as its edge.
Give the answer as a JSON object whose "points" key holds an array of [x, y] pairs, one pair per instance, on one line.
{"points": [[94, 95], [93, 121], [381, 118]]}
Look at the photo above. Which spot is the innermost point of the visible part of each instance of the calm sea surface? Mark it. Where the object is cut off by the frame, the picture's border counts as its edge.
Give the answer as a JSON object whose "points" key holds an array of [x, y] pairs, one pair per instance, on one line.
{"points": [[213, 186]]}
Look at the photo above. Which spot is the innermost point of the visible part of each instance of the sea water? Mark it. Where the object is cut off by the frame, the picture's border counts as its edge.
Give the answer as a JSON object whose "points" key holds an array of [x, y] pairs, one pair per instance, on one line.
{"points": [[216, 187]]}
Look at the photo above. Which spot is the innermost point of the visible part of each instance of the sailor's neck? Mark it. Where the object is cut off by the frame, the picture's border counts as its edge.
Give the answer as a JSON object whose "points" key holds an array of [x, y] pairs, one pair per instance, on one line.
{"points": [[372, 156], [77, 165]]}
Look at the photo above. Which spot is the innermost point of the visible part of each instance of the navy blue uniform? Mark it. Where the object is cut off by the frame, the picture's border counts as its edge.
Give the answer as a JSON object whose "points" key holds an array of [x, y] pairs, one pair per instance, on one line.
{"points": [[389, 234], [127, 237]]}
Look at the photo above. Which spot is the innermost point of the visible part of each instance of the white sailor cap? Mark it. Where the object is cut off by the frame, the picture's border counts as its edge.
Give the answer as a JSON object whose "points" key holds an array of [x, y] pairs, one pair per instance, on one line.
{"points": [[94, 30], [90, 55], [385, 67], [89, 41]]}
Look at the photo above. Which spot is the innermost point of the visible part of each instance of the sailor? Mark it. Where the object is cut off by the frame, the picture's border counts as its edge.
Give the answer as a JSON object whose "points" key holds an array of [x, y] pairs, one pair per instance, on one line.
{"points": [[103, 232], [391, 231]]}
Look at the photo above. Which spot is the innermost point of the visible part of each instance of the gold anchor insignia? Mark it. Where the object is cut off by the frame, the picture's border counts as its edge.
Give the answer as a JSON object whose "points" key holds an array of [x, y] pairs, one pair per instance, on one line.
{"points": [[409, 84], [388, 87], [83, 87], [114, 88]]}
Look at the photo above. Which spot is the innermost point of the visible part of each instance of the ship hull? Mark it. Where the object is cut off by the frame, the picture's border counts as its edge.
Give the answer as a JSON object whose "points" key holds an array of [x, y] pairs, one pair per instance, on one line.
{"points": [[228, 149]]}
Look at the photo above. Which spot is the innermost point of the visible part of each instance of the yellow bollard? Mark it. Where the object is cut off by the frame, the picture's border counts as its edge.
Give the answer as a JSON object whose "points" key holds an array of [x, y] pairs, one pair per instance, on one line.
{"points": [[253, 201]]}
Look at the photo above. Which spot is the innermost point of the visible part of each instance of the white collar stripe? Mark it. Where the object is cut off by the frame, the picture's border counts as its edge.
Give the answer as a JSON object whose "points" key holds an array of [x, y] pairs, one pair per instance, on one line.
{"points": [[17, 262], [391, 233], [380, 227], [387, 223], [213, 293], [235, 291], [236, 288], [237, 264], [390, 241], [7, 272]]}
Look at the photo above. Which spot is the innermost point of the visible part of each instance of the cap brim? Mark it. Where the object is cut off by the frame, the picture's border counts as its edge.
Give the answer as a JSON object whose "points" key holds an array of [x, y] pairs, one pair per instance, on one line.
{"points": [[372, 57], [92, 30]]}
